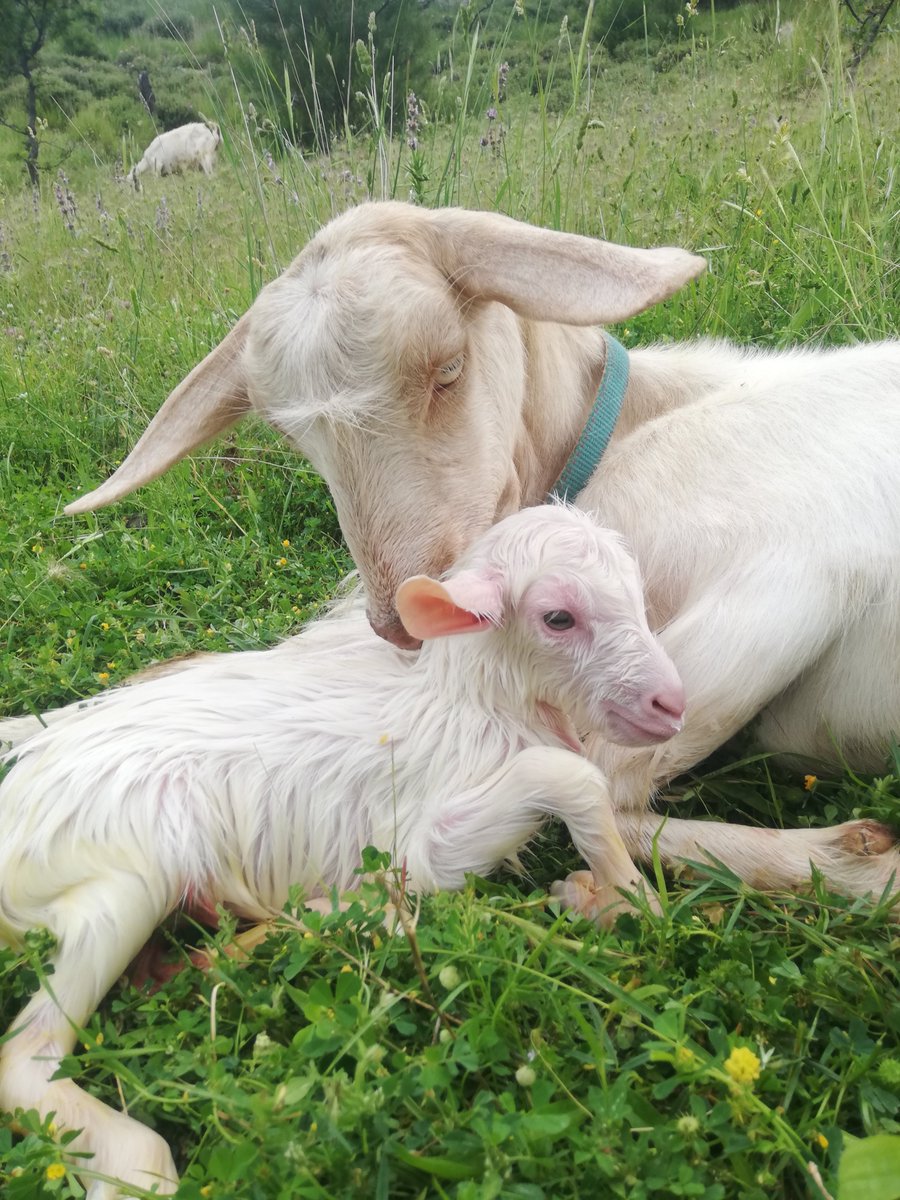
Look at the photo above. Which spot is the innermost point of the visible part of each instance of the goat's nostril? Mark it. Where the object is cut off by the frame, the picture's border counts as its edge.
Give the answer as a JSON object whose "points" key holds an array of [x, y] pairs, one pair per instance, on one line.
{"points": [[668, 703]]}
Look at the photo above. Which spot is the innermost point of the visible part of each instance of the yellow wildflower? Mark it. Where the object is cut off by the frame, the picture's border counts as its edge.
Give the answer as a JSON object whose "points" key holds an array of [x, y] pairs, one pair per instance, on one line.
{"points": [[743, 1065], [282, 562], [112, 665], [82, 566], [286, 542], [104, 625], [103, 676], [37, 549], [56, 1171], [810, 781], [346, 969], [822, 1140]]}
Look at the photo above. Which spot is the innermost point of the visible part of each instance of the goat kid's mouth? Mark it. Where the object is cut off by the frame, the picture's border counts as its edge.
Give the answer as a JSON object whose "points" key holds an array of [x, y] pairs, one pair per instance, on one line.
{"points": [[629, 728]]}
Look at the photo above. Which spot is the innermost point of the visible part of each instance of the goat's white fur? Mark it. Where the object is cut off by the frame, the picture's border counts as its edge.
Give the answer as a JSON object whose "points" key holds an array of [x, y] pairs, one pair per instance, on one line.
{"points": [[760, 490], [233, 777], [189, 147]]}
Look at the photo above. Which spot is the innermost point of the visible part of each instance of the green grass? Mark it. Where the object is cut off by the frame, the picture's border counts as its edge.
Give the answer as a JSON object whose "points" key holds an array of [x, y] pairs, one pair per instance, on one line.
{"points": [[351, 1062]]}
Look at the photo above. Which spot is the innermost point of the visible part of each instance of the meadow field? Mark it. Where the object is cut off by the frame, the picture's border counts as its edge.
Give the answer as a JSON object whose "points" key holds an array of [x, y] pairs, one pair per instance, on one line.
{"points": [[501, 1049]]}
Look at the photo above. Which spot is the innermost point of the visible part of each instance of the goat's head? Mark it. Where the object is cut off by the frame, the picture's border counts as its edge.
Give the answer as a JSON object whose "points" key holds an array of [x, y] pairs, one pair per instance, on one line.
{"points": [[562, 599], [391, 355]]}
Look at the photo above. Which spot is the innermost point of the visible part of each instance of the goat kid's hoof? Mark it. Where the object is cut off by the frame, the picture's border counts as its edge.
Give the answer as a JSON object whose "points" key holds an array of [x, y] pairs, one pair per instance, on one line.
{"points": [[600, 904], [865, 838]]}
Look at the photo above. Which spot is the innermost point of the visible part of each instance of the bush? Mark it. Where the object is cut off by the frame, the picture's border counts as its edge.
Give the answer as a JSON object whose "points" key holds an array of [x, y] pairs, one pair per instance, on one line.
{"points": [[171, 113], [101, 125], [72, 82], [179, 27], [118, 24], [617, 21]]}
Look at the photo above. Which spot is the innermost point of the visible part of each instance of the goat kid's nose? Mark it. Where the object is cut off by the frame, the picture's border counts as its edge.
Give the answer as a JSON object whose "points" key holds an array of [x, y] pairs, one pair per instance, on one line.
{"points": [[392, 631], [666, 703]]}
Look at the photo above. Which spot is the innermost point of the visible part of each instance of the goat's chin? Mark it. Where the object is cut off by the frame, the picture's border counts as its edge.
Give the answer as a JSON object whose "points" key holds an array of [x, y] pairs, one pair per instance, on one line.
{"points": [[635, 730]]}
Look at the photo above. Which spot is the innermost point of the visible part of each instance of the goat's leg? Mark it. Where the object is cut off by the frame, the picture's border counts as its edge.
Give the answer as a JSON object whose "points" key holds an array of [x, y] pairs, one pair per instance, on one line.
{"points": [[100, 925], [476, 829], [857, 858], [736, 649], [244, 943]]}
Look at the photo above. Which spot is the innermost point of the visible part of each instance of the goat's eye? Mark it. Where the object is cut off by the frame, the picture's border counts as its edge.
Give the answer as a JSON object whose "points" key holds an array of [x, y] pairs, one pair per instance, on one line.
{"points": [[449, 372], [559, 619]]}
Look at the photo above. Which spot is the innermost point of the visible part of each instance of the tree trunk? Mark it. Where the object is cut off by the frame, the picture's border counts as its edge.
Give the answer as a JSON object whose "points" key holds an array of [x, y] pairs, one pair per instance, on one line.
{"points": [[869, 26], [31, 140]]}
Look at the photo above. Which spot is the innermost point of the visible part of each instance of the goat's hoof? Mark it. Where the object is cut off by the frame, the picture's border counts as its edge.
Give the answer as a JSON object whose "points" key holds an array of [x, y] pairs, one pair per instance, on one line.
{"points": [[600, 904], [865, 838]]}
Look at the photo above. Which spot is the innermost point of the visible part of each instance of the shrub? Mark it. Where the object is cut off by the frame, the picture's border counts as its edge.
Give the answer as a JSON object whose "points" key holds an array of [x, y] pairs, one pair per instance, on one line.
{"points": [[172, 112], [618, 21], [118, 24], [170, 26]]}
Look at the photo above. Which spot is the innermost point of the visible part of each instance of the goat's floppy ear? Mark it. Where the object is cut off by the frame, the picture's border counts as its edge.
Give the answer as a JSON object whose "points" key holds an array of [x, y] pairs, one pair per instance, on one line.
{"points": [[550, 276], [210, 399], [466, 603]]}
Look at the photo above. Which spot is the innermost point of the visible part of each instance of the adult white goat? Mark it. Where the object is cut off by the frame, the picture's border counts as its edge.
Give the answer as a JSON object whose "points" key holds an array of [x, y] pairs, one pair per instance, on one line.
{"points": [[432, 367], [189, 147], [236, 776]]}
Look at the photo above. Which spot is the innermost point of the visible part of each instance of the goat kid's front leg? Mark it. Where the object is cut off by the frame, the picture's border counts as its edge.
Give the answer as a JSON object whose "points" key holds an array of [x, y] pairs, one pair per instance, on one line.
{"points": [[99, 924], [475, 830]]}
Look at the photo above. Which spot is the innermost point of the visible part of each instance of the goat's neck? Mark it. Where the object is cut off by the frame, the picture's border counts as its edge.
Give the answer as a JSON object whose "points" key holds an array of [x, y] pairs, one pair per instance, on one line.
{"points": [[565, 367], [474, 680]]}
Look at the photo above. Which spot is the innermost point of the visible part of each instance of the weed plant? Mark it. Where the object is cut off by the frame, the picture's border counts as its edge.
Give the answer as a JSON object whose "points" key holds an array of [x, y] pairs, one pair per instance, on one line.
{"points": [[500, 1049]]}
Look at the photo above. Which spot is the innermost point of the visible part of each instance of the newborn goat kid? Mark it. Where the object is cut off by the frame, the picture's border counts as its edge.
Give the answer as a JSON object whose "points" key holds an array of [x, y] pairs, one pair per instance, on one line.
{"points": [[239, 775]]}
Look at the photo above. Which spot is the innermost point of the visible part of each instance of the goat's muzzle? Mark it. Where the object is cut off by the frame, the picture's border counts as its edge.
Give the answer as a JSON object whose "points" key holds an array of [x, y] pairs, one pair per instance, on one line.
{"points": [[392, 631]]}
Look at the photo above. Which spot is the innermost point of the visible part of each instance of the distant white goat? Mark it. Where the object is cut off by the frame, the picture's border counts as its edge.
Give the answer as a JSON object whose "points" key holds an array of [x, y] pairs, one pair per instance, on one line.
{"points": [[236, 776], [189, 147], [429, 366]]}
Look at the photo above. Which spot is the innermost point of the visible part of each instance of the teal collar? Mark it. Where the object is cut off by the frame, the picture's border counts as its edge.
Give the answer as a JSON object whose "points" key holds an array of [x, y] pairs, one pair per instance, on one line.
{"points": [[600, 424]]}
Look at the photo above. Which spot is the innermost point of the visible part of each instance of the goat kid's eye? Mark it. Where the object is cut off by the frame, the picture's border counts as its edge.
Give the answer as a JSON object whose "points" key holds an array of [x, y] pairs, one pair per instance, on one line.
{"points": [[449, 372], [559, 619]]}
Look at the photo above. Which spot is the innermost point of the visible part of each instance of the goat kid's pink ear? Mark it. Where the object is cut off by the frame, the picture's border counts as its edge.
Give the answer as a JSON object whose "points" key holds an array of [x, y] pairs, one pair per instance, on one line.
{"points": [[466, 603]]}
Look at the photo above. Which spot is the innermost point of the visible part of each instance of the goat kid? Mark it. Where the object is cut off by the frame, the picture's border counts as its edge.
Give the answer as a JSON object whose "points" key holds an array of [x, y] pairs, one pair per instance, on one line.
{"points": [[237, 776], [431, 366], [189, 147]]}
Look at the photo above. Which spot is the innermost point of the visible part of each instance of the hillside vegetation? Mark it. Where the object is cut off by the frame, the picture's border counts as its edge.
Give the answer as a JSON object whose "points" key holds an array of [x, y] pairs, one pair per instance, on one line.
{"points": [[565, 1062]]}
